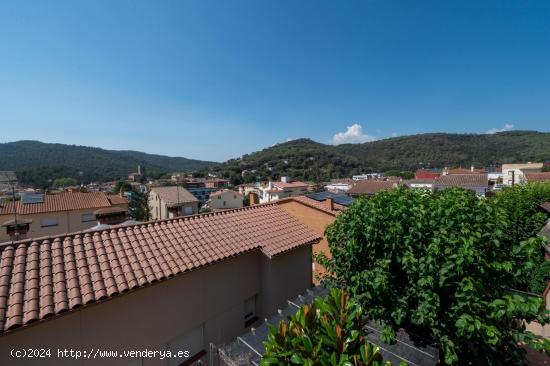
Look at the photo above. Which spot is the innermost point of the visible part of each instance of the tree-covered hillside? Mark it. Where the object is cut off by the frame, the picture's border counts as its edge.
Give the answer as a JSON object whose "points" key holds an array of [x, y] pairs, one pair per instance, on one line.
{"points": [[37, 163], [309, 160]]}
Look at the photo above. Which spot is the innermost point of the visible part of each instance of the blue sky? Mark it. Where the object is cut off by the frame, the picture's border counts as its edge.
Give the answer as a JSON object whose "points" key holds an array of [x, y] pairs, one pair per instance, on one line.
{"points": [[216, 79]]}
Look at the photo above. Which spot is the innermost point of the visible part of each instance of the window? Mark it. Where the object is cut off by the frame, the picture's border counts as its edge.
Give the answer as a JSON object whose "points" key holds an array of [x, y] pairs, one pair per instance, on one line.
{"points": [[49, 222], [219, 197], [88, 217], [250, 311], [224, 203], [188, 210]]}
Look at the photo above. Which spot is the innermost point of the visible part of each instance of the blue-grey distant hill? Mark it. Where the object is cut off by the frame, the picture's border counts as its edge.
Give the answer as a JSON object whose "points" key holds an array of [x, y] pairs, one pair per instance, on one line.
{"points": [[36, 162]]}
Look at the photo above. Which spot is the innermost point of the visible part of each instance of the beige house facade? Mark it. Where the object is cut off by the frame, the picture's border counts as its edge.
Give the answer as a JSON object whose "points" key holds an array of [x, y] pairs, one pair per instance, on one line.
{"points": [[56, 214], [171, 201], [515, 173], [225, 199]]}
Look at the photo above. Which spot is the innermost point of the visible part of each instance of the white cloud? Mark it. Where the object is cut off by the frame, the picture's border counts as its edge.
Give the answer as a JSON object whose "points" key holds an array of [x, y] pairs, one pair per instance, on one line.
{"points": [[353, 135], [507, 127]]}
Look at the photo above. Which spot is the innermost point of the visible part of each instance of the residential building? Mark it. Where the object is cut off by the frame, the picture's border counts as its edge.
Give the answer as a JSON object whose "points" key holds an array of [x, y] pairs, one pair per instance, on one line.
{"points": [[202, 194], [171, 201], [472, 170], [367, 176], [174, 285], [316, 214], [515, 173], [478, 183], [216, 183], [537, 177], [53, 214], [225, 199], [202, 188], [371, 187], [245, 189], [277, 190], [420, 183], [339, 186]]}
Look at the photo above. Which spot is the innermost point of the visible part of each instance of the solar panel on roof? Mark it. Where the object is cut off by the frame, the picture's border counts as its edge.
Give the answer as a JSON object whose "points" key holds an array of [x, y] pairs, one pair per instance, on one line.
{"points": [[344, 200], [339, 198], [32, 198]]}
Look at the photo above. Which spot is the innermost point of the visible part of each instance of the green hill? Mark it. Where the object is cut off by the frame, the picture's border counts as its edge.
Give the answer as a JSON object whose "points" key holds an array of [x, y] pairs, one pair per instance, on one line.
{"points": [[309, 160], [36, 162]]}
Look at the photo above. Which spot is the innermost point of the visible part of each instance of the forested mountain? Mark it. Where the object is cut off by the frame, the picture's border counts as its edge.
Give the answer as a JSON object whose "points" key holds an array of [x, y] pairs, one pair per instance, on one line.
{"points": [[37, 163], [309, 160]]}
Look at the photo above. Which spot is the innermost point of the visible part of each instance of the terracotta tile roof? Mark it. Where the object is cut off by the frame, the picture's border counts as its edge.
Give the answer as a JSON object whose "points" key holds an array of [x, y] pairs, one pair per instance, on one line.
{"points": [[223, 191], [117, 200], [319, 205], [463, 180], [284, 185], [426, 174], [371, 187], [465, 171], [173, 195], [538, 177], [66, 201], [41, 278]]}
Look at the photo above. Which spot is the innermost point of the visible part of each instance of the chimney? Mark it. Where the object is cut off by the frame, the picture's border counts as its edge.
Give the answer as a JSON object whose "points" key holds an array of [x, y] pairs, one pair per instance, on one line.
{"points": [[330, 203]]}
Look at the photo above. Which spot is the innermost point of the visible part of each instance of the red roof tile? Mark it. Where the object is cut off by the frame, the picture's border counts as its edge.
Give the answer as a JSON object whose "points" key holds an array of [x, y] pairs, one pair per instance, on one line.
{"points": [[66, 201], [319, 205], [538, 177], [174, 195], [44, 277], [115, 199], [371, 187], [463, 180], [426, 174]]}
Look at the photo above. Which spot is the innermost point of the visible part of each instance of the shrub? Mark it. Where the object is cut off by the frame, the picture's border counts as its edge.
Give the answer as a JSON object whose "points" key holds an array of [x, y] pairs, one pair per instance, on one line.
{"points": [[329, 332], [443, 264]]}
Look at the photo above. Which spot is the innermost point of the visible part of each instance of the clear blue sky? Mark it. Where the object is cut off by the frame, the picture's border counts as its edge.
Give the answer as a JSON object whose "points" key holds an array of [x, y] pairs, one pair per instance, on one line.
{"points": [[216, 79]]}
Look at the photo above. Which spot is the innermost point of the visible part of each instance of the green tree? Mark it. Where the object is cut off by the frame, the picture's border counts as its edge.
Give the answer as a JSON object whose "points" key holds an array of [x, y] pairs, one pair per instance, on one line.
{"points": [[521, 204], [441, 263], [138, 202], [329, 332], [64, 182]]}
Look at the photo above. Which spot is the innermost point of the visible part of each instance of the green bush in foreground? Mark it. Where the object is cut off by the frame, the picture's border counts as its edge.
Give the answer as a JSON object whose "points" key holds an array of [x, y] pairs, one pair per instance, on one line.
{"points": [[441, 263], [329, 332]]}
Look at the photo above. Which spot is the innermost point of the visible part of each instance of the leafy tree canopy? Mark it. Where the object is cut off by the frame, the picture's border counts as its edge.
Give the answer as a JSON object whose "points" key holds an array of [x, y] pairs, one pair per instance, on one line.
{"points": [[443, 264], [64, 182], [138, 202]]}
